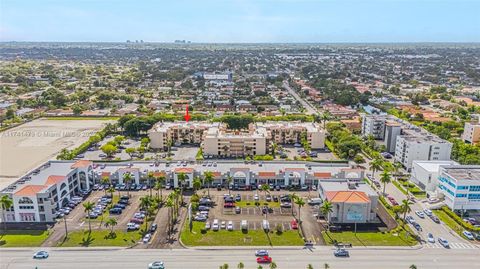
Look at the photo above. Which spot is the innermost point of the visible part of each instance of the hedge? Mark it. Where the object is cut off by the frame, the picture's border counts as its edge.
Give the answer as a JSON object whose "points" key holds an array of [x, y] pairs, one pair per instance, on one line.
{"points": [[459, 220]]}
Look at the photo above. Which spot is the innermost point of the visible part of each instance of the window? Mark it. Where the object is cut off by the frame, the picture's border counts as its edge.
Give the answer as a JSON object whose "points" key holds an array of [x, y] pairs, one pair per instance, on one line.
{"points": [[461, 195], [462, 188], [474, 188], [25, 200]]}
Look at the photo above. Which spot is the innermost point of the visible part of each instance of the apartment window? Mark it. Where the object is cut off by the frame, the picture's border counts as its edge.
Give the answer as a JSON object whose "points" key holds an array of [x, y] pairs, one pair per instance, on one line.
{"points": [[41, 208], [474, 188], [26, 207], [474, 196], [461, 195], [462, 188]]}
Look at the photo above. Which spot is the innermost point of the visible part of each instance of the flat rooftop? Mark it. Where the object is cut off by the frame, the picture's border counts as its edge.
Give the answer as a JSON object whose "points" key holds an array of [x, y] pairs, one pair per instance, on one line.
{"points": [[464, 172], [433, 166], [329, 186]]}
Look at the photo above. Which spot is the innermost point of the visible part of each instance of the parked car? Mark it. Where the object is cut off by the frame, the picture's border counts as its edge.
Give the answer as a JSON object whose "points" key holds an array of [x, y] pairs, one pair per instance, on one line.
{"points": [[115, 211], [264, 259], [286, 204], [420, 214], [207, 226], [430, 238], [42, 254], [428, 212], [443, 242], [132, 226], [238, 210], [238, 198], [137, 221], [417, 226], [215, 225], [435, 219], [294, 224], [340, 252], [468, 235], [156, 265], [230, 225], [244, 225], [223, 224], [147, 238], [153, 228], [200, 218]]}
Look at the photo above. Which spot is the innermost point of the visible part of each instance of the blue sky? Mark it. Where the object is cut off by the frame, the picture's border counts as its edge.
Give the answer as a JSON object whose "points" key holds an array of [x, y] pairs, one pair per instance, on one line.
{"points": [[241, 20]]}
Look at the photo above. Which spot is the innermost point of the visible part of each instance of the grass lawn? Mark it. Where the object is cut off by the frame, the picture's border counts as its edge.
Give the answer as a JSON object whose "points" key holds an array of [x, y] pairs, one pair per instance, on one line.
{"points": [[22, 238], [100, 238], [237, 237], [252, 204], [370, 238]]}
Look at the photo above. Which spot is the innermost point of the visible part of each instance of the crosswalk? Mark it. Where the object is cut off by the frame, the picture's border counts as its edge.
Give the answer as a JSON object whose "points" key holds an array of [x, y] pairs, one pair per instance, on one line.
{"points": [[452, 245]]}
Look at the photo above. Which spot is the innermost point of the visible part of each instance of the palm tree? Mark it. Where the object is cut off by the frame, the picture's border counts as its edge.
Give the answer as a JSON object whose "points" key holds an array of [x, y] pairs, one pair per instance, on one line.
{"points": [[375, 165], [273, 265], [300, 202], [326, 266], [88, 207], [385, 178], [229, 181], [111, 222], [326, 209], [182, 178], [145, 204], [396, 167], [111, 190], [170, 204], [274, 149], [265, 188], [406, 207], [325, 116], [240, 265], [197, 184], [150, 177], [159, 185], [293, 197], [105, 180], [413, 266], [127, 178], [6, 203], [208, 178], [309, 266]]}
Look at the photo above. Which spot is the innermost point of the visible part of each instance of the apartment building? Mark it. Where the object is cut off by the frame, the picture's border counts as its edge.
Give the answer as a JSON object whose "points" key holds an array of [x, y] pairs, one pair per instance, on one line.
{"points": [[374, 125], [471, 132], [460, 186], [38, 195], [410, 148], [216, 140], [425, 173]]}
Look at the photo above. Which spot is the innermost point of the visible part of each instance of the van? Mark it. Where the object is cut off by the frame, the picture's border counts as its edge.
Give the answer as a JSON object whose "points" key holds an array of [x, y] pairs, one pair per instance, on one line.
{"points": [[315, 201], [265, 225], [244, 225]]}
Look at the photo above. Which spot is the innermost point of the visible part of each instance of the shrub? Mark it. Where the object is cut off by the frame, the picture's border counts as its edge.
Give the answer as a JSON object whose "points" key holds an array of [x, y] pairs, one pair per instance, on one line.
{"points": [[459, 220]]}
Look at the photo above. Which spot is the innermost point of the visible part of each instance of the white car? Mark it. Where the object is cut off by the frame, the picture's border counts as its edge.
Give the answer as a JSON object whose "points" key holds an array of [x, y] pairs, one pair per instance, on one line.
{"points": [[255, 197], [223, 225], [468, 235], [430, 238], [207, 226], [420, 214], [156, 265], [230, 225], [443, 242], [428, 212], [42, 254], [215, 226], [147, 238]]}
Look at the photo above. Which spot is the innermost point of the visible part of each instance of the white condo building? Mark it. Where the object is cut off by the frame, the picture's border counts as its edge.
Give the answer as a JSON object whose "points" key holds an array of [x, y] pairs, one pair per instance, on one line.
{"points": [[460, 186], [410, 148]]}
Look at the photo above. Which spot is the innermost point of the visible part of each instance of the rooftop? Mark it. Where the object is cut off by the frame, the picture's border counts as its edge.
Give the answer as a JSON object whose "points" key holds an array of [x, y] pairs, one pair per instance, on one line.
{"points": [[464, 172], [347, 197]]}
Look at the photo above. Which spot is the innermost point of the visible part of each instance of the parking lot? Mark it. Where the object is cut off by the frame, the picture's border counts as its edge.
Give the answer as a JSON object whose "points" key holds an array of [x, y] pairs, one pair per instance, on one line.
{"points": [[292, 152]]}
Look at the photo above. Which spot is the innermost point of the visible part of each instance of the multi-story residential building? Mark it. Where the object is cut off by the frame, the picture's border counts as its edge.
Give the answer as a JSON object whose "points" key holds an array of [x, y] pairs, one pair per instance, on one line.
{"points": [[471, 132], [392, 131], [374, 125], [38, 195], [411, 148], [217, 140], [460, 186], [352, 202], [425, 173]]}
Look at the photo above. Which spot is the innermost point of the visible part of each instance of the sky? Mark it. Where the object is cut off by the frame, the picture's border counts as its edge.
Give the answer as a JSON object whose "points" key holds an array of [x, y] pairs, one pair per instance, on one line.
{"points": [[243, 21]]}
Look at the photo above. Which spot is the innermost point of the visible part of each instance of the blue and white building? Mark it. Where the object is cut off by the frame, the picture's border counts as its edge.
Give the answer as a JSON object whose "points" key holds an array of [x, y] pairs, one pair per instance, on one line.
{"points": [[460, 186]]}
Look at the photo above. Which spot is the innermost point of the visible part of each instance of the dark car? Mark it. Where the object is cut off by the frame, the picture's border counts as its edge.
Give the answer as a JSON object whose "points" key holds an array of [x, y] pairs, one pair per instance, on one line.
{"points": [[203, 208], [275, 198], [238, 210], [153, 228], [115, 211], [123, 202], [121, 206], [219, 187], [238, 198]]}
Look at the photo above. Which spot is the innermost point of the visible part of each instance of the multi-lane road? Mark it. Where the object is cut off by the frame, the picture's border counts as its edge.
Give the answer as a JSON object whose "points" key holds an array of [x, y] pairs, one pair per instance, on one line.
{"points": [[310, 109], [202, 259]]}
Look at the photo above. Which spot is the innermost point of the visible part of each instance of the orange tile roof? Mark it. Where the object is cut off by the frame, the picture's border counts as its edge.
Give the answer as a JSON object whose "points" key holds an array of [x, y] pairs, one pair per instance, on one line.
{"points": [[347, 197], [216, 174], [184, 170], [159, 174], [106, 174], [51, 180], [81, 164], [30, 190], [322, 174], [266, 174]]}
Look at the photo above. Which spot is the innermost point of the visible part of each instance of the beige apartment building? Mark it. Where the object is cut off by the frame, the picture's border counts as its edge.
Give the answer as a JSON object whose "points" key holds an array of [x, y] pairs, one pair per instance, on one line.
{"points": [[216, 140], [471, 133]]}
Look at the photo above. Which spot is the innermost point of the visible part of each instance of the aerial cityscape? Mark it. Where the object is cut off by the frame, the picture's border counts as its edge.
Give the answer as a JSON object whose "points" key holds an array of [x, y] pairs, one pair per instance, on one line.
{"points": [[263, 143]]}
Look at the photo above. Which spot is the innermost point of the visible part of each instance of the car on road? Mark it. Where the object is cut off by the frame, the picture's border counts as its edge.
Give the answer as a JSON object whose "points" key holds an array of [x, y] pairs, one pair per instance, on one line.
{"points": [[147, 238], [430, 238], [417, 226], [420, 214], [468, 235], [443, 242], [410, 219], [153, 228], [261, 252], [435, 219], [42, 254], [340, 252], [264, 259], [156, 265]]}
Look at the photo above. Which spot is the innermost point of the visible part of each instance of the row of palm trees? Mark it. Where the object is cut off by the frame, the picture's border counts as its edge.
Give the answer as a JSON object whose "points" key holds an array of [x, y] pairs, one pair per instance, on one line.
{"points": [[273, 265]]}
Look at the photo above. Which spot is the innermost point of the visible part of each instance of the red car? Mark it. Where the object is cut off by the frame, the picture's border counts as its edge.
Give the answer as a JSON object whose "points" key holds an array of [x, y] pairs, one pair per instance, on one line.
{"points": [[228, 204], [264, 259], [392, 200], [137, 221], [294, 224]]}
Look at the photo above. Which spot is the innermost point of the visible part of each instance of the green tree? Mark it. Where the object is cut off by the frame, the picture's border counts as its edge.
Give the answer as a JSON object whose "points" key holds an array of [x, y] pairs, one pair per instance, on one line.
{"points": [[145, 204], [111, 222], [105, 180], [109, 149], [326, 208], [208, 178], [375, 165], [127, 178], [88, 207], [300, 203], [273, 265], [405, 207], [130, 152], [240, 265], [385, 178], [413, 266], [6, 203]]}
